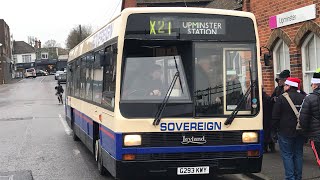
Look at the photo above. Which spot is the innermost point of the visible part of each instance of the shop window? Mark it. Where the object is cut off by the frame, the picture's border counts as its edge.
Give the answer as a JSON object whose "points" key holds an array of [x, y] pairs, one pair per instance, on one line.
{"points": [[310, 59], [281, 58]]}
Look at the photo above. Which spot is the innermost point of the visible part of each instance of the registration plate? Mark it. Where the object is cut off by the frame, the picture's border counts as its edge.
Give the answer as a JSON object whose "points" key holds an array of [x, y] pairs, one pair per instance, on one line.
{"points": [[193, 170]]}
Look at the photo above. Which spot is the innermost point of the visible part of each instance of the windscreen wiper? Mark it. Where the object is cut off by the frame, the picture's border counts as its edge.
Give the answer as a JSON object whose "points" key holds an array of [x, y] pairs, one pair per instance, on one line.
{"points": [[236, 110], [158, 116]]}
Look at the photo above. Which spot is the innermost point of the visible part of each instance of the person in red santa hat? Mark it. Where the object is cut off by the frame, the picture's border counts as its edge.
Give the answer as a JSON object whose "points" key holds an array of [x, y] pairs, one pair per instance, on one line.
{"points": [[285, 121]]}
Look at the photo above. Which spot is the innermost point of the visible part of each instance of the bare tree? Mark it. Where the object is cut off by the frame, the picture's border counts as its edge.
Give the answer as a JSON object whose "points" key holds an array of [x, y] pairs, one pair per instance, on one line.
{"points": [[78, 34], [51, 43]]}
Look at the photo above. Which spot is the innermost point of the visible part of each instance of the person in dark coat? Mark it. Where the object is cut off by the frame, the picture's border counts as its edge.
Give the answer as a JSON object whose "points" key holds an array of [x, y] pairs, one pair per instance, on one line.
{"points": [[280, 80], [276, 93], [310, 115], [267, 120], [290, 140]]}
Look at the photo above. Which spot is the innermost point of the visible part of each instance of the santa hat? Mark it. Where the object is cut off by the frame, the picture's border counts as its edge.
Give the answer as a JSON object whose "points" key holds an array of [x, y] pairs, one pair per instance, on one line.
{"points": [[295, 82], [316, 77]]}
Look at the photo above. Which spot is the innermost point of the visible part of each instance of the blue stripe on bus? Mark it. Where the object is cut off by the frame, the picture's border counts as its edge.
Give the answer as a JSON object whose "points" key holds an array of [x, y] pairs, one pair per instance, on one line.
{"points": [[190, 149], [108, 140], [84, 122]]}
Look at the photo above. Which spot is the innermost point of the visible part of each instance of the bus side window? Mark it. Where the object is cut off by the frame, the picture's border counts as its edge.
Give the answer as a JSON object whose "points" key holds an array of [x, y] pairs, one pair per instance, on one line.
{"points": [[97, 79], [109, 79]]}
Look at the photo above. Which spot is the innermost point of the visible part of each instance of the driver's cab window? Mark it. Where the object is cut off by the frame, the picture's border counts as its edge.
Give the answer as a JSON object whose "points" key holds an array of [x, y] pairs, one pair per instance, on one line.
{"points": [[237, 79], [149, 78]]}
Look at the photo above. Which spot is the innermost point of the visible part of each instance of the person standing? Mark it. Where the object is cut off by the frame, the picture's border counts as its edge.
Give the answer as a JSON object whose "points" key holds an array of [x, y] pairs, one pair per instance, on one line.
{"points": [[276, 93], [290, 140], [267, 119], [280, 80], [310, 115]]}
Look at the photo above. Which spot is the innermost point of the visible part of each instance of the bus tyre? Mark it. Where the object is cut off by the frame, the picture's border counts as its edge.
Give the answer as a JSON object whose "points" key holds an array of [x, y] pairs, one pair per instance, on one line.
{"points": [[74, 136], [102, 170]]}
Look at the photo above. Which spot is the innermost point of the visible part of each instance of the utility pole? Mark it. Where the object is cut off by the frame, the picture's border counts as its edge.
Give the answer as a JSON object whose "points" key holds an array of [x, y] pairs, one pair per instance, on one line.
{"points": [[80, 34]]}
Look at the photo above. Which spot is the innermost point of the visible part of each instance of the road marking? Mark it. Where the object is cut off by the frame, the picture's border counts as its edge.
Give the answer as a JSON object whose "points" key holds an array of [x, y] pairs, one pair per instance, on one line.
{"points": [[42, 79], [65, 125]]}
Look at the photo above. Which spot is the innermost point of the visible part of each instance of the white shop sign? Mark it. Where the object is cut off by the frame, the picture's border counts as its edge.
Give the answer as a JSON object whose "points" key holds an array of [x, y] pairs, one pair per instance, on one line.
{"points": [[295, 16]]}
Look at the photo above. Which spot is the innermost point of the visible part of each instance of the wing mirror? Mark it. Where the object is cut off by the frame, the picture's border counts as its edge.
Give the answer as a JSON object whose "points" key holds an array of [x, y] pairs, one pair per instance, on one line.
{"points": [[266, 56]]}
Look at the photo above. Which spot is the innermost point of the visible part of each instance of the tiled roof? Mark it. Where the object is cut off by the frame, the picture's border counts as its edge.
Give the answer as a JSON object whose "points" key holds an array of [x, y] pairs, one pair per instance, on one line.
{"points": [[21, 47], [225, 4]]}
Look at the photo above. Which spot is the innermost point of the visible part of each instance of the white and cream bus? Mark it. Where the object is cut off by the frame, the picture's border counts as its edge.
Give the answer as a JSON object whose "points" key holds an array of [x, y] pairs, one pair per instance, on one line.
{"points": [[169, 92]]}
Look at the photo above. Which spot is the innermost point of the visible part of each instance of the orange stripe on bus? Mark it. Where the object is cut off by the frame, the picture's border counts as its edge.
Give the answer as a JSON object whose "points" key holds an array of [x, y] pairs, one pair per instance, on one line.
{"points": [[107, 133]]}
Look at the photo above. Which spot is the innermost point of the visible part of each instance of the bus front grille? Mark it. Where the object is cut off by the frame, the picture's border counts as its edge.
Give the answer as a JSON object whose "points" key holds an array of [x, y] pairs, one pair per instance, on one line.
{"points": [[174, 139], [191, 156]]}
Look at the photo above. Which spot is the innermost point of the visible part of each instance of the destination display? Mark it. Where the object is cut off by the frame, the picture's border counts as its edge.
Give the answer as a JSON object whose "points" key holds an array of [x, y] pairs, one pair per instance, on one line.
{"points": [[190, 26], [173, 26]]}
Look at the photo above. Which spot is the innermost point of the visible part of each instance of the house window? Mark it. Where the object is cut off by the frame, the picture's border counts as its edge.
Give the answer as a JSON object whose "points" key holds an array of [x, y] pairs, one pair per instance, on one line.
{"points": [[26, 58], [44, 55], [310, 59], [281, 58]]}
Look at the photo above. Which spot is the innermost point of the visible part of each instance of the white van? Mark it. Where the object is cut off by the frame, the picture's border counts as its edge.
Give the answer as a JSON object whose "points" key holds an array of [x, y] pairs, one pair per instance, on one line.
{"points": [[30, 73]]}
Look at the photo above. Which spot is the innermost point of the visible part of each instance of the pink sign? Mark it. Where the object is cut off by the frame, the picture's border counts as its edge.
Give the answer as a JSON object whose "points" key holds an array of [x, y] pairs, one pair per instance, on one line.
{"points": [[291, 17], [273, 22]]}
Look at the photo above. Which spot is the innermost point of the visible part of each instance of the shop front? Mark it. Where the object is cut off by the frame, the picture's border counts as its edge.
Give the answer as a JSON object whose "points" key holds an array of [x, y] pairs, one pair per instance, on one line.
{"points": [[49, 66]]}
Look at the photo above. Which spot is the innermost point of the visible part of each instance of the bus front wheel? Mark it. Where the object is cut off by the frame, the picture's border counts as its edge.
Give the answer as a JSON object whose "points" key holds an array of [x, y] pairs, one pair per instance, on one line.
{"points": [[102, 170], [74, 136]]}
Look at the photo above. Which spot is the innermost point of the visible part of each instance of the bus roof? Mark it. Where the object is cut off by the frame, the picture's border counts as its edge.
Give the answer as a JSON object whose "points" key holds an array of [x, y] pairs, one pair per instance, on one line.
{"points": [[115, 27]]}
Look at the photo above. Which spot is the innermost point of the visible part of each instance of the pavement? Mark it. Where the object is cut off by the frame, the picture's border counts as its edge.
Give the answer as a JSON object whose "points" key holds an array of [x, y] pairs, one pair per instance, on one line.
{"points": [[272, 166]]}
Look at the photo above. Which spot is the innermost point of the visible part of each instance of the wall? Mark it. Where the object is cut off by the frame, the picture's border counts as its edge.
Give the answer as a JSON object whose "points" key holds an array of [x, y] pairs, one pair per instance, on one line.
{"points": [[5, 53]]}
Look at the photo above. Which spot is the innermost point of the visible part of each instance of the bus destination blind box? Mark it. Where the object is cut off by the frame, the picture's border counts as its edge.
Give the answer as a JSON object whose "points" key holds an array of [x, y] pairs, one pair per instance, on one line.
{"points": [[190, 27], [174, 26]]}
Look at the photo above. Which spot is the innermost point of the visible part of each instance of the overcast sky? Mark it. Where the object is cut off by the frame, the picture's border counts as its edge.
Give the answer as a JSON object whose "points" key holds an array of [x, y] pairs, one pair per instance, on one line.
{"points": [[53, 19]]}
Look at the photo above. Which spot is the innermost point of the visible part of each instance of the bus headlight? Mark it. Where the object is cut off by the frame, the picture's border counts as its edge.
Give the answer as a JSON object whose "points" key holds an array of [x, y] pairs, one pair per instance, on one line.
{"points": [[132, 140], [249, 137]]}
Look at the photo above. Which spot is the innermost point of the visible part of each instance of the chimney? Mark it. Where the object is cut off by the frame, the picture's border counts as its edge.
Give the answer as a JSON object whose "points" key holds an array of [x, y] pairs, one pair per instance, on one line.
{"points": [[39, 44], [36, 44], [129, 3]]}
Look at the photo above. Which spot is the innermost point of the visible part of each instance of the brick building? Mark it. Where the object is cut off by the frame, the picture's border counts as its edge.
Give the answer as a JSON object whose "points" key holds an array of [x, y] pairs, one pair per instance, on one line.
{"points": [[6, 64], [291, 34]]}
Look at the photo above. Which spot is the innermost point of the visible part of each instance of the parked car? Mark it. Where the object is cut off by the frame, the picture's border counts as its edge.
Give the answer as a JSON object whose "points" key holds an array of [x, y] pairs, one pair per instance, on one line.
{"points": [[62, 78], [42, 73], [57, 74], [30, 73]]}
